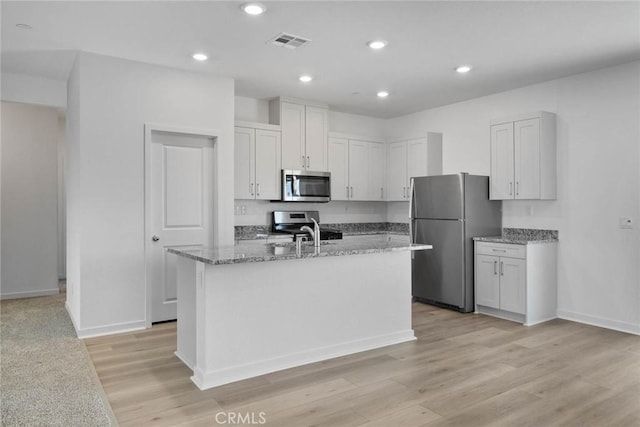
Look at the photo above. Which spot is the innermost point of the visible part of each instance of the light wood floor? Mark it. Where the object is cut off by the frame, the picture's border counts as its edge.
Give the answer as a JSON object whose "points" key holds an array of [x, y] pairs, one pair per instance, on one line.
{"points": [[464, 370]]}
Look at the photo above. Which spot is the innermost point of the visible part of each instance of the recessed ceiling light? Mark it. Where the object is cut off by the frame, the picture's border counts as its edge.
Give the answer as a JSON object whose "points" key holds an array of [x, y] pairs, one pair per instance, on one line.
{"points": [[200, 57], [377, 44], [383, 94], [253, 8], [463, 69], [24, 26], [305, 78]]}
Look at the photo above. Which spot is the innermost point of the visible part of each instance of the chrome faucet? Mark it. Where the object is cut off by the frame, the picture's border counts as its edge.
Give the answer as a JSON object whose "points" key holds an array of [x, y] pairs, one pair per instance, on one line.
{"points": [[315, 232]]}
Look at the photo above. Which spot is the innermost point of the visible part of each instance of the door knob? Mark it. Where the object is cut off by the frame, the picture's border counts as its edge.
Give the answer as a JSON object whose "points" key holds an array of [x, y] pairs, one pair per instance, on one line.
{"points": [[155, 238]]}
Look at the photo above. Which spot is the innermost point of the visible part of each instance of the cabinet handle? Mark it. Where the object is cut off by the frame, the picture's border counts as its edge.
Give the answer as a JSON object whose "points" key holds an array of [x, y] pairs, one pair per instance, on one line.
{"points": [[308, 163], [381, 193], [517, 191], [251, 189], [302, 162], [404, 192], [510, 188], [499, 250], [258, 189], [352, 192], [495, 267], [501, 268]]}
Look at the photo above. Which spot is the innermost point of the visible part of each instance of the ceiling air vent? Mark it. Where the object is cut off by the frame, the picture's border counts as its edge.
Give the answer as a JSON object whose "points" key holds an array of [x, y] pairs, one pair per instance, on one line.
{"points": [[288, 40]]}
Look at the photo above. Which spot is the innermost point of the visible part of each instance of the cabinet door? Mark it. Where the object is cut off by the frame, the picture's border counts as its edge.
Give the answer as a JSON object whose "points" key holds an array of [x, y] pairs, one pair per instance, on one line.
{"points": [[512, 285], [244, 157], [338, 163], [316, 138], [502, 185], [292, 124], [358, 170], [527, 158], [397, 171], [267, 161], [376, 171], [487, 281], [417, 158]]}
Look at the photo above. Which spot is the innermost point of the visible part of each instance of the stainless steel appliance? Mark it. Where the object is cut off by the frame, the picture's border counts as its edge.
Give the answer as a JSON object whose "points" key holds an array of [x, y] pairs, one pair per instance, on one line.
{"points": [[291, 222], [306, 186], [447, 211]]}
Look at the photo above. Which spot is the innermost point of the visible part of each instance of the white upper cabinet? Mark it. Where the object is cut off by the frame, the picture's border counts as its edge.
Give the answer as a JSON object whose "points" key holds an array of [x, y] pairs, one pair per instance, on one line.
{"points": [[304, 133], [257, 162], [523, 157], [412, 158], [397, 175], [339, 168], [357, 169], [244, 163], [316, 138], [292, 125], [376, 171]]}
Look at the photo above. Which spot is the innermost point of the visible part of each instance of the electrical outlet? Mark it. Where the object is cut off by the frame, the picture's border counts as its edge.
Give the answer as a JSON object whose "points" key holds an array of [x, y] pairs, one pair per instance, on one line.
{"points": [[528, 210], [626, 222], [243, 210]]}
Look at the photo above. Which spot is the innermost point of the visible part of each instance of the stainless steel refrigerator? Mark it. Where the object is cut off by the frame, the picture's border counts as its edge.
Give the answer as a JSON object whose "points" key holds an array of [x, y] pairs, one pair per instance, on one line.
{"points": [[447, 211]]}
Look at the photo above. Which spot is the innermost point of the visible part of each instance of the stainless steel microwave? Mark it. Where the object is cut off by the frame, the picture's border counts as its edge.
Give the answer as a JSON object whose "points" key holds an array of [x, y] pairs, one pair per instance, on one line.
{"points": [[305, 186]]}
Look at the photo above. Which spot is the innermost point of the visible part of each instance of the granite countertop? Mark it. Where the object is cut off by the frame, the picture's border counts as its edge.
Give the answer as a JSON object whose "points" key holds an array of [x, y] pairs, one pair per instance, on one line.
{"points": [[259, 251], [522, 236]]}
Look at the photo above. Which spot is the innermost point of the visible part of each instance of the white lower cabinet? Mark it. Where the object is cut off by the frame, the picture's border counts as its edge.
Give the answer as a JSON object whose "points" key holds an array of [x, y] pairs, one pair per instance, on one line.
{"points": [[516, 281]]}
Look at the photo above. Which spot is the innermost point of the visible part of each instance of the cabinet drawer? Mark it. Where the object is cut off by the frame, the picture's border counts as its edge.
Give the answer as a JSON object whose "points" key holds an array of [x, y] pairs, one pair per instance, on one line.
{"points": [[501, 249]]}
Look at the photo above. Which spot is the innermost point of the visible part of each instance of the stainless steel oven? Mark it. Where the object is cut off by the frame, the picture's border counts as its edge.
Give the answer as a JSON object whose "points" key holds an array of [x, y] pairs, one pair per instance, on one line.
{"points": [[306, 186]]}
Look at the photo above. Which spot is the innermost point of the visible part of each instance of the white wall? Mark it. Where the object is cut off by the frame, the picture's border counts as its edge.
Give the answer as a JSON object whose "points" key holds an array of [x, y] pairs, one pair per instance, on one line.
{"points": [[110, 100], [257, 212], [29, 201], [34, 90], [251, 109], [62, 213], [598, 137]]}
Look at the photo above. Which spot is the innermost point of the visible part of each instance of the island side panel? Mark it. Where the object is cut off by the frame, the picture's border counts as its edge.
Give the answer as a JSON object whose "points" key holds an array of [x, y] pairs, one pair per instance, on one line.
{"points": [[266, 316], [187, 278]]}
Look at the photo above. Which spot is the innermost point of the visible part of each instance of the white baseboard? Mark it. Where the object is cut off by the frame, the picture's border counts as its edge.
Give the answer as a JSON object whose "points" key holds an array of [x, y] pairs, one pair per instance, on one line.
{"points": [[205, 380], [601, 322], [30, 294], [117, 328]]}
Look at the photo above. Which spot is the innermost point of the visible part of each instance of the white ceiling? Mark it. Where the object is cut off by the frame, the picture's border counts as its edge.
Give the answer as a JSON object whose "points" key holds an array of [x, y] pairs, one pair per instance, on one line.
{"points": [[509, 44]]}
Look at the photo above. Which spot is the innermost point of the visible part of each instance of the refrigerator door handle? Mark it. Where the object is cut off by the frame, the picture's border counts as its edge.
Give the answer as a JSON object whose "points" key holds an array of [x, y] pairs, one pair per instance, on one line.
{"points": [[411, 197]]}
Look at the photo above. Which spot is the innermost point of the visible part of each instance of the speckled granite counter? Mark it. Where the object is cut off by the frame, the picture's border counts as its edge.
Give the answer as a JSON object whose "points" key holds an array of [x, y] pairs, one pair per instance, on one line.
{"points": [[522, 236], [252, 232], [259, 251]]}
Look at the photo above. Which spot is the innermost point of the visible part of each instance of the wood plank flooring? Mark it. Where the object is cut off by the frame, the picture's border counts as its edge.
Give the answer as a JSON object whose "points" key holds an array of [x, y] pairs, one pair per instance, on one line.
{"points": [[464, 370]]}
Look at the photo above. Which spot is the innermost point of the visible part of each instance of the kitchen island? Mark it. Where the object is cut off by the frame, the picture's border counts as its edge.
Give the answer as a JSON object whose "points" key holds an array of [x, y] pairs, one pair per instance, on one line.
{"points": [[255, 308]]}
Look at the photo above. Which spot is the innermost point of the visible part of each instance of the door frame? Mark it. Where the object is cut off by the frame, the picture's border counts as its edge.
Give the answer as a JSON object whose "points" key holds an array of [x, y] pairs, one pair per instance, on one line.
{"points": [[149, 128]]}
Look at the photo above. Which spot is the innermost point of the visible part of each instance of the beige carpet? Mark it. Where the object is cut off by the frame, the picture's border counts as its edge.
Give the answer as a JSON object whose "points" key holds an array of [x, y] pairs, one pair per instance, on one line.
{"points": [[46, 377]]}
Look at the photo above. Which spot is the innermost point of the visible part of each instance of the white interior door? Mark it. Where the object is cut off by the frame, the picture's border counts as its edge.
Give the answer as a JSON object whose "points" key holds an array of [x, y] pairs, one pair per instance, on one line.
{"points": [[181, 207]]}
